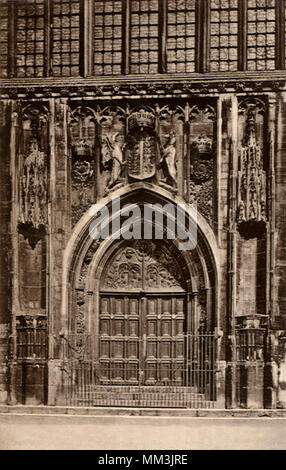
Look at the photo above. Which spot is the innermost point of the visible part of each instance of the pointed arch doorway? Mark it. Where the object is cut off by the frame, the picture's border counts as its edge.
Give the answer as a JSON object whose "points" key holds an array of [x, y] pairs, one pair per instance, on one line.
{"points": [[143, 319], [145, 345]]}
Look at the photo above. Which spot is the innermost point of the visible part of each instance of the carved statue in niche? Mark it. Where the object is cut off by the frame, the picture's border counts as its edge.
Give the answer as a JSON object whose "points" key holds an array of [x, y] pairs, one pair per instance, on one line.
{"points": [[251, 178], [33, 167], [33, 186], [112, 140], [168, 158], [171, 142], [141, 147], [112, 157], [33, 149]]}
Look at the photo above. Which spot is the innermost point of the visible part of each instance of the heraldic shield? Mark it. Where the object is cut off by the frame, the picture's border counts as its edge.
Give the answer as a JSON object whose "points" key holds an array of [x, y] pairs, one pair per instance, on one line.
{"points": [[141, 149]]}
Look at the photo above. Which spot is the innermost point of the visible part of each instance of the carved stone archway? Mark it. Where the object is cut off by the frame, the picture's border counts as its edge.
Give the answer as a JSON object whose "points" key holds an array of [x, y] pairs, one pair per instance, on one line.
{"points": [[82, 256], [141, 313], [86, 260]]}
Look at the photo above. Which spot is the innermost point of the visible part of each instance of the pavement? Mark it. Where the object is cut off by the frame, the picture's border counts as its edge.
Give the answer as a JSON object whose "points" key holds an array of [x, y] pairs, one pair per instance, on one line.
{"points": [[68, 432]]}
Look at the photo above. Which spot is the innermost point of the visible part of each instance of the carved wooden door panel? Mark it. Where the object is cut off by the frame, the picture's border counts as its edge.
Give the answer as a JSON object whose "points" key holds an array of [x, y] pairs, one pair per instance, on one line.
{"points": [[142, 319], [164, 338], [142, 339], [119, 339]]}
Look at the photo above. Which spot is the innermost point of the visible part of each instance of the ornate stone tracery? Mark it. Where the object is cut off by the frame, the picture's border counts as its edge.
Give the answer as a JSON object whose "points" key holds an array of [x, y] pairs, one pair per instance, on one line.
{"points": [[202, 148], [251, 173], [82, 126]]}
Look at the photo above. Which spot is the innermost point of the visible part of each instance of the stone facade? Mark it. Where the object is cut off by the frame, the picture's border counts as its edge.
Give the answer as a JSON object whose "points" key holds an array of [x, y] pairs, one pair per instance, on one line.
{"points": [[79, 317]]}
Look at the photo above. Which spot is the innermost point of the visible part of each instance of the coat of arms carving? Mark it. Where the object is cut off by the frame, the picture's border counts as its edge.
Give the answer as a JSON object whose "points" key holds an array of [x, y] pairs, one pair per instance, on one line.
{"points": [[141, 155]]}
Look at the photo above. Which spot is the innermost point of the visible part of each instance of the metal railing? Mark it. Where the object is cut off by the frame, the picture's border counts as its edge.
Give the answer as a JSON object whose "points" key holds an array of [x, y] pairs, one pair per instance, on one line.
{"points": [[250, 344], [31, 343], [185, 378]]}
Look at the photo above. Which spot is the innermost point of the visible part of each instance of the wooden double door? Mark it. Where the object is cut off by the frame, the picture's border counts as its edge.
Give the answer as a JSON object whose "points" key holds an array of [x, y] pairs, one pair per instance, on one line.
{"points": [[142, 338], [145, 348]]}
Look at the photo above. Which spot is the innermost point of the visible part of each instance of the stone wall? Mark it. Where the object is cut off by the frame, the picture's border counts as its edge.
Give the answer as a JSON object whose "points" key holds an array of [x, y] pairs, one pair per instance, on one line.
{"points": [[251, 291], [5, 243]]}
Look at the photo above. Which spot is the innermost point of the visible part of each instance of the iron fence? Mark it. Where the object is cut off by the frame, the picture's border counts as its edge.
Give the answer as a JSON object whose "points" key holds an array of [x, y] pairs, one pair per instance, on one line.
{"points": [[251, 344], [184, 378]]}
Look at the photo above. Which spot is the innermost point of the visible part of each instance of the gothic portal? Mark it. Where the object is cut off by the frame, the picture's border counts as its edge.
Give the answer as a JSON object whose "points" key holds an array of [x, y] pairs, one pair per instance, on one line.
{"points": [[154, 102]]}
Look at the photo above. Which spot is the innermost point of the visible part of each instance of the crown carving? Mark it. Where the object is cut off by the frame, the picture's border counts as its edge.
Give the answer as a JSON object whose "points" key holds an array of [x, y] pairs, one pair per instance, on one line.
{"points": [[82, 149], [203, 144], [142, 120]]}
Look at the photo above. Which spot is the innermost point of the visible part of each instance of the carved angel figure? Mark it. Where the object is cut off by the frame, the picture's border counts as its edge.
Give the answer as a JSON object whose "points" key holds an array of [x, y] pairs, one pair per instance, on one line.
{"points": [[113, 155], [168, 157]]}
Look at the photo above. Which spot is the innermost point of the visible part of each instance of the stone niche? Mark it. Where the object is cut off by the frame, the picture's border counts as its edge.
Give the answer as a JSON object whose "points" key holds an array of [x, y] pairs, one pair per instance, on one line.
{"points": [[203, 159], [83, 171], [251, 216], [33, 156], [111, 149], [31, 323]]}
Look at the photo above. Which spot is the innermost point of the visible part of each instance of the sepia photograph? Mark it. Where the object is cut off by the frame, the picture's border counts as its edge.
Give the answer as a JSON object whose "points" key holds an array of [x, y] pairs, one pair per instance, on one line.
{"points": [[143, 228]]}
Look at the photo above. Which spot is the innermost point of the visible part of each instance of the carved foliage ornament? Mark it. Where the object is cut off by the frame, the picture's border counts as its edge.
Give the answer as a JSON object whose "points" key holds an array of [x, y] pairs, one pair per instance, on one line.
{"points": [[143, 265], [82, 131], [202, 145], [80, 293], [31, 321]]}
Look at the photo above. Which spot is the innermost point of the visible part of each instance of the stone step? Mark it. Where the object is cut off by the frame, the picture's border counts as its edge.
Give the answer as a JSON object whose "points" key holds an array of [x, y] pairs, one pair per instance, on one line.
{"points": [[143, 396], [142, 388]]}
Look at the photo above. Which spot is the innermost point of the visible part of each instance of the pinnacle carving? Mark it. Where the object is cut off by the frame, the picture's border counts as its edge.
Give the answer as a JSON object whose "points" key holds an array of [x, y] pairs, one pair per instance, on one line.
{"points": [[251, 176]]}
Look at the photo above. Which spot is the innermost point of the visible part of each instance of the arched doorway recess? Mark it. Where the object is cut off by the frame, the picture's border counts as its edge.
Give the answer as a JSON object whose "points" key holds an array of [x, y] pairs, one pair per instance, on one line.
{"points": [[142, 317]]}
